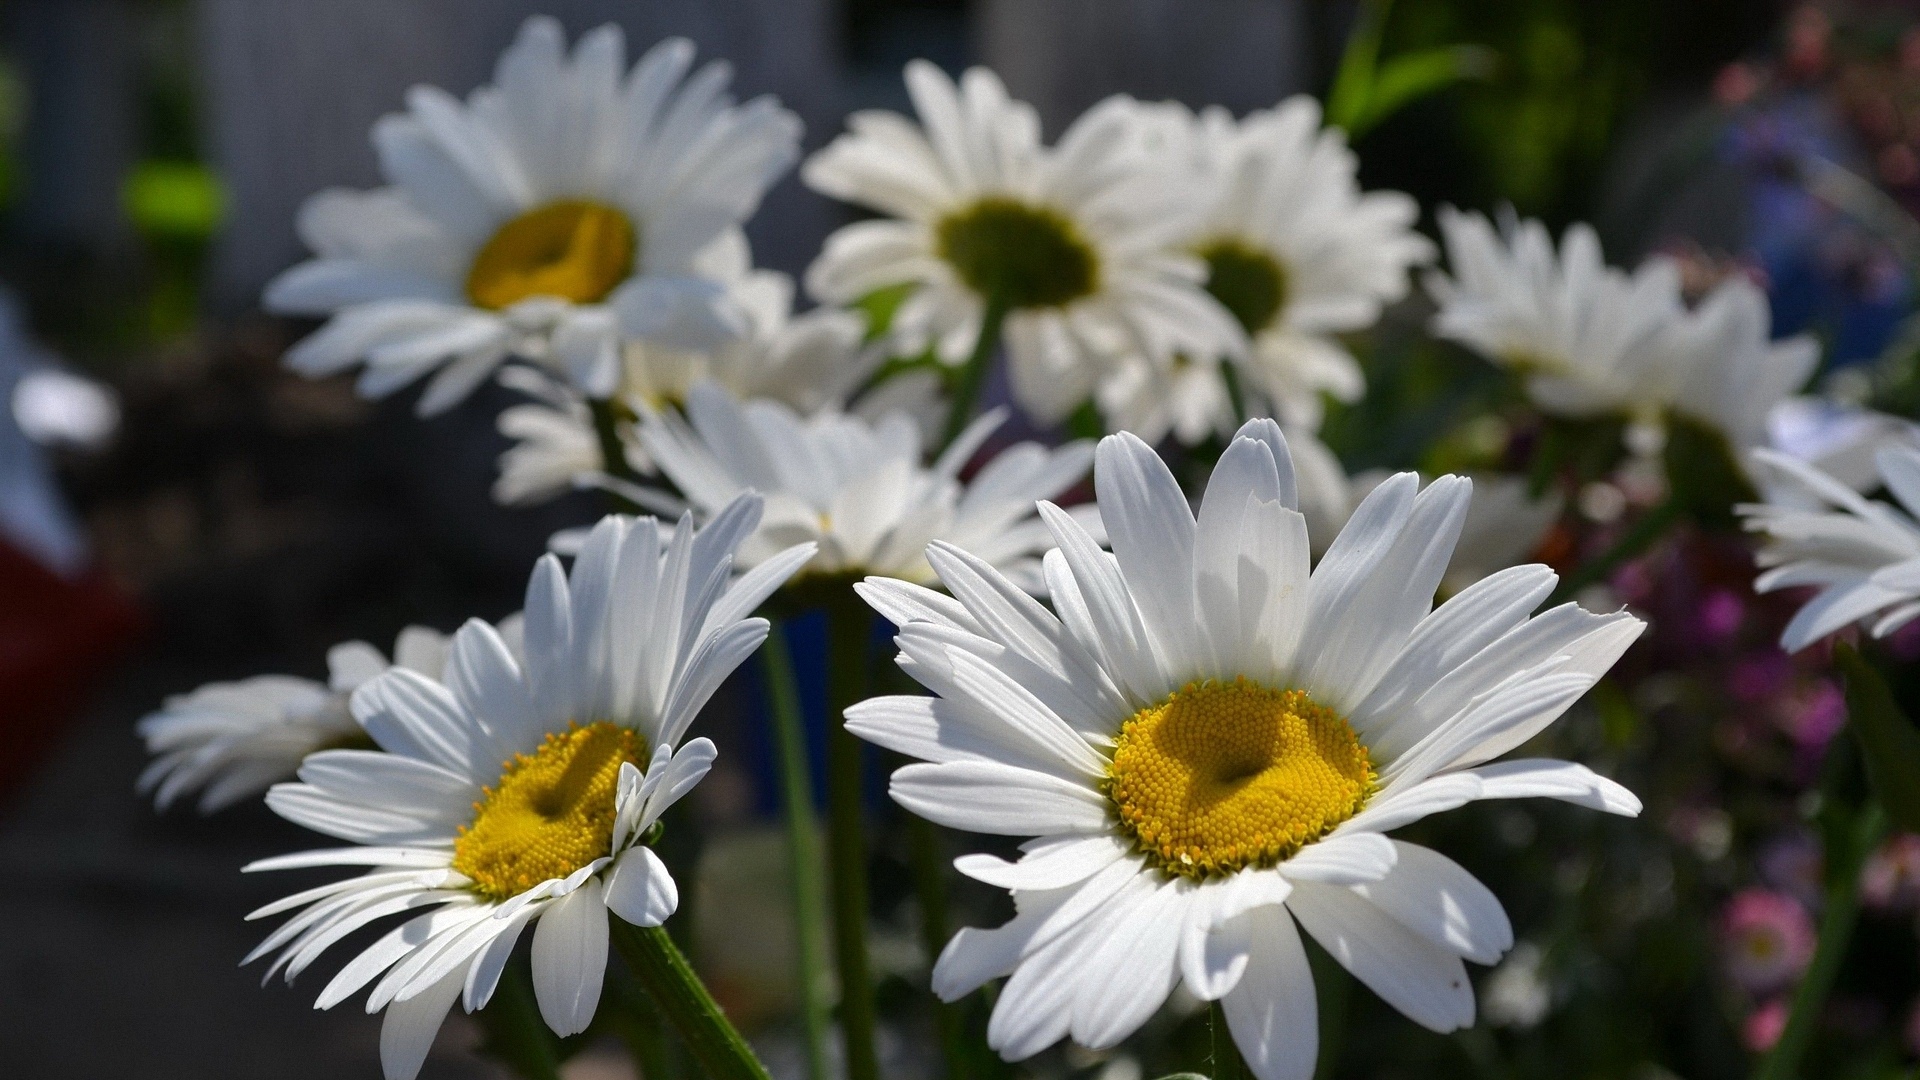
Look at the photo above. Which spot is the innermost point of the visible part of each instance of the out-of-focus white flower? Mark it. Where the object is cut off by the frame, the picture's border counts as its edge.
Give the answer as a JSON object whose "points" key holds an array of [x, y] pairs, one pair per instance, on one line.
{"points": [[555, 212], [1076, 240], [518, 790], [1516, 994], [1208, 744], [1733, 373], [1862, 554], [1293, 247], [58, 408], [230, 740], [1188, 399], [1579, 330], [858, 488], [1839, 440]]}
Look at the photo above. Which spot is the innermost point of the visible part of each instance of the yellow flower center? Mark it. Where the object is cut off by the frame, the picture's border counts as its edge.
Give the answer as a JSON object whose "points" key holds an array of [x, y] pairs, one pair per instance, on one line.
{"points": [[1247, 281], [574, 250], [552, 812], [1027, 256], [1222, 776]]}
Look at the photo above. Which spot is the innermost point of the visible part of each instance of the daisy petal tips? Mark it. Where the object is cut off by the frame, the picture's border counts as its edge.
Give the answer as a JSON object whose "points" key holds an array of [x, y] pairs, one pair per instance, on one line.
{"points": [[1206, 739]]}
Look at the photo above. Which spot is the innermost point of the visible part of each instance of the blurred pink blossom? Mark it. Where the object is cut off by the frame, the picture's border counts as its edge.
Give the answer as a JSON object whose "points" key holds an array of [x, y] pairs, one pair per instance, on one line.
{"points": [[1720, 615], [1759, 677], [1813, 714], [1891, 878], [1764, 1025], [1793, 864], [1768, 938]]}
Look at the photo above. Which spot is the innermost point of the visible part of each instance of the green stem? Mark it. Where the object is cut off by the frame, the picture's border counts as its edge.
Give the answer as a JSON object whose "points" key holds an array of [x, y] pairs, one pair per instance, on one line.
{"points": [[606, 427], [1227, 1063], [803, 845], [930, 888], [515, 1034], [1635, 541], [1842, 911], [664, 971], [626, 1010], [848, 623], [1236, 397], [974, 376]]}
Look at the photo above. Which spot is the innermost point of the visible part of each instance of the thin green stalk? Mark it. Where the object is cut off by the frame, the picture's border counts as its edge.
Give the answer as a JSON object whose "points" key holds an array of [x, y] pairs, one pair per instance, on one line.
{"points": [[930, 888], [515, 1035], [704, 1028], [1635, 541], [848, 626], [1841, 912], [803, 846], [974, 375], [613, 456], [1236, 397], [1225, 1055]]}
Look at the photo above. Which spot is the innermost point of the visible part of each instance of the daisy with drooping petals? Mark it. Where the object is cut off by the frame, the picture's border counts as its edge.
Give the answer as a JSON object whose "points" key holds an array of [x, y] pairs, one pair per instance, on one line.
{"points": [[520, 791], [1075, 241], [1208, 745], [235, 739], [1578, 330], [811, 361], [554, 212], [1293, 247], [1863, 554], [858, 488]]}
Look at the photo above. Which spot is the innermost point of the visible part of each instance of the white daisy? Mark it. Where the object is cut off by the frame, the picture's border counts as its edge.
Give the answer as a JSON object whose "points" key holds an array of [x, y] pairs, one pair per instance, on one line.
{"points": [[1838, 439], [510, 791], [554, 211], [1188, 400], [811, 361], [858, 488], [1293, 247], [1075, 240], [1862, 554], [1208, 744], [1580, 331], [1733, 374], [234, 739]]}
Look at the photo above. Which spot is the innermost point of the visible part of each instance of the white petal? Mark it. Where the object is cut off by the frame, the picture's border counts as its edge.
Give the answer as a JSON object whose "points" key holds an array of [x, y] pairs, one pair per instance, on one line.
{"points": [[1272, 1012], [1524, 778], [1422, 980], [1432, 896], [1342, 860], [408, 1030], [640, 890], [984, 796], [570, 957]]}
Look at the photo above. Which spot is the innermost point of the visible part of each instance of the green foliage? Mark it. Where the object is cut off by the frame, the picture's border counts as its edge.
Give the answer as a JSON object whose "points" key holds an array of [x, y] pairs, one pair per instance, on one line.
{"points": [[1701, 473], [1367, 90], [173, 200], [1889, 743]]}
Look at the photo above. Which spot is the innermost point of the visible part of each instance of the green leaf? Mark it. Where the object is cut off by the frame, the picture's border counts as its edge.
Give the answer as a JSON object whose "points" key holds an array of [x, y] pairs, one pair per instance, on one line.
{"points": [[174, 199], [1353, 82], [1406, 79], [1888, 740]]}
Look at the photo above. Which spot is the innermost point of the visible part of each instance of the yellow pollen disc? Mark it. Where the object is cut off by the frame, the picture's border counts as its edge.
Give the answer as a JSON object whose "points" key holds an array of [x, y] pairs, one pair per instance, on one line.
{"points": [[574, 250], [551, 813], [1222, 776]]}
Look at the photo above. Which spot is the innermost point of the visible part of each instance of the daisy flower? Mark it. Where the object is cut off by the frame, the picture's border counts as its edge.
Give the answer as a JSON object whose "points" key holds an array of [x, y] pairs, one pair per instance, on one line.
{"points": [[553, 212], [811, 361], [1579, 331], [1734, 374], [520, 791], [230, 740], [857, 488], [1188, 399], [1862, 554], [1208, 745], [1293, 247], [1074, 241]]}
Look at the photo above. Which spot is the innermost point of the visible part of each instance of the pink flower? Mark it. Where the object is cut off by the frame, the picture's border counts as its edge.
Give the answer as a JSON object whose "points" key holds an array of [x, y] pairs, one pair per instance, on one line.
{"points": [[1768, 939], [1720, 615], [1736, 84], [1760, 676], [1814, 714], [1764, 1025], [1891, 878]]}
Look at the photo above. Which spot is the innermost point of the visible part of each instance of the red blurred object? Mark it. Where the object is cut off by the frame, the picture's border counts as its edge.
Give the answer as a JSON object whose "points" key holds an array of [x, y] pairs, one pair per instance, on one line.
{"points": [[56, 634]]}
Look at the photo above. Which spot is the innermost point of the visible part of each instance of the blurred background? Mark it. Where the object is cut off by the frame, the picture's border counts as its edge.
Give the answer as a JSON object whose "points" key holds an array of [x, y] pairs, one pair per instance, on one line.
{"points": [[175, 508]]}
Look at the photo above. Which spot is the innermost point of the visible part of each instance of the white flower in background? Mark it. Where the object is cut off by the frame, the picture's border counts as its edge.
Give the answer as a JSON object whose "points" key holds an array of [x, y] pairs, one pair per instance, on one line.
{"points": [[1862, 554], [1076, 239], [1518, 994], [1837, 439], [1578, 330], [553, 212], [1208, 744], [515, 791], [857, 488], [1293, 247], [1733, 374], [1188, 400], [231, 740]]}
